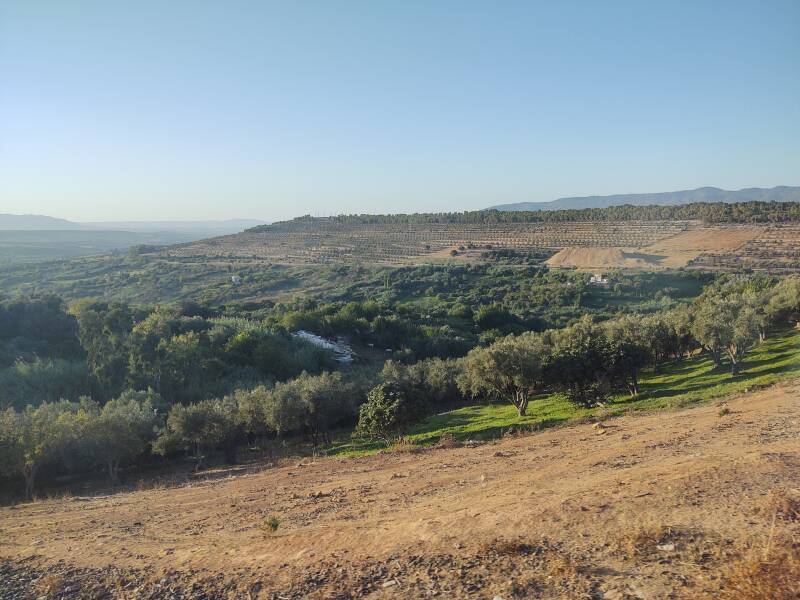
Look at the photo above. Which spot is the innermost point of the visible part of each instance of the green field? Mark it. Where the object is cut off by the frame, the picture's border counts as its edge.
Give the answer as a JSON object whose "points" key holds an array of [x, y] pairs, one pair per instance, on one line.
{"points": [[691, 382]]}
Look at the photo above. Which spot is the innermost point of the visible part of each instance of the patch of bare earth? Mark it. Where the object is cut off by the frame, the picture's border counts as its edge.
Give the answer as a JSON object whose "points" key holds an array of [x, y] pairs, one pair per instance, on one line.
{"points": [[670, 252], [604, 258], [694, 503]]}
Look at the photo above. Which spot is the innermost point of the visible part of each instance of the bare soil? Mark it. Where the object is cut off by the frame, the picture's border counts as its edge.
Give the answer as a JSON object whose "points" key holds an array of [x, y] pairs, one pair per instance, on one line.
{"points": [[644, 506], [603, 258], [670, 252]]}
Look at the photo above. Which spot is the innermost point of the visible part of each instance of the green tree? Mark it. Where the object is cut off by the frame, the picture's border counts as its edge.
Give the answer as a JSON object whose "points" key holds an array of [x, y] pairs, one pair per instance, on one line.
{"points": [[745, 332], [388, 411], [510, 369], [492, 316], [197, 429], [630, 349], [710, 327], [104, 331], [680, 322], [658, 336], [727, 325], [784, 302], [124, 429], [579, 364], [35, 437]]}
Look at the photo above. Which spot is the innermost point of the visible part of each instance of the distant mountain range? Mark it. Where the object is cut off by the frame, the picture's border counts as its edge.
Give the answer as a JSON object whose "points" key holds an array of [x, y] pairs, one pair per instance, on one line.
{"points": [[781, 193], [44, 223]]}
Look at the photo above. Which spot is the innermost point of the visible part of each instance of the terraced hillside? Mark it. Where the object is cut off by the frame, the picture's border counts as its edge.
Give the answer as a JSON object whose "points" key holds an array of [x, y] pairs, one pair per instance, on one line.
{"points": [[638, 244], [775, 249], [323, 240]]}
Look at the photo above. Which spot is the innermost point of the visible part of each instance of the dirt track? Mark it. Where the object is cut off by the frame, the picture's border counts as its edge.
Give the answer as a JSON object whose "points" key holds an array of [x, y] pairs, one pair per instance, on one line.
{"points": [[646, 507]]}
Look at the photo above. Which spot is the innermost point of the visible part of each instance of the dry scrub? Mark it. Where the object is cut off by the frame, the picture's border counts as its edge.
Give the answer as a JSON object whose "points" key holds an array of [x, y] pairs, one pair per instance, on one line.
{"points": [[655, 507]]}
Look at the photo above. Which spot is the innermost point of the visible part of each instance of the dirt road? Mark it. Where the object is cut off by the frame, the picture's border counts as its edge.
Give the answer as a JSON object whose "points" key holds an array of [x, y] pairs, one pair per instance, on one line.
{"points": [[644, 506]]}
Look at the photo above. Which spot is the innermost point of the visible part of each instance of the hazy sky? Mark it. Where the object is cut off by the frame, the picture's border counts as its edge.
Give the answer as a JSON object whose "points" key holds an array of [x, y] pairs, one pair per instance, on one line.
{"points": [[192, 110]]}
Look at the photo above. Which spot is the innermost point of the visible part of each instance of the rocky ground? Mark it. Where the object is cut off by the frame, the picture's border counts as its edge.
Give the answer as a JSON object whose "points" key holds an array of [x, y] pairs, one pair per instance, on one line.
{"points": [[695, 503]]}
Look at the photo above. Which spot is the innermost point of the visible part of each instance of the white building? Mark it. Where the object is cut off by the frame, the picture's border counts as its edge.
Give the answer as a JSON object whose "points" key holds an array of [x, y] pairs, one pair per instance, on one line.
{"points": [[598, 279]]}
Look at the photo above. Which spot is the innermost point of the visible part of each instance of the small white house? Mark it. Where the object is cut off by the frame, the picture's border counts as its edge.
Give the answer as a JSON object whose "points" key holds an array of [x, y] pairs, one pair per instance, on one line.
{"points": [[236, 280], [598, 279]]}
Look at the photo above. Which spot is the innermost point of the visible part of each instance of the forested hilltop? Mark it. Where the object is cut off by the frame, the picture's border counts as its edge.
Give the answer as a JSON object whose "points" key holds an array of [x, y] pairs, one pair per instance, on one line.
{"points": [[708, 212], [782, 193]]}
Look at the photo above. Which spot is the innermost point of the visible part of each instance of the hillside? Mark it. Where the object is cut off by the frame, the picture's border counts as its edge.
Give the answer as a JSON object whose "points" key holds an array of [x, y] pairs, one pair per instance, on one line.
{"points": [[694, 503], [764, 236], [781, 193]]}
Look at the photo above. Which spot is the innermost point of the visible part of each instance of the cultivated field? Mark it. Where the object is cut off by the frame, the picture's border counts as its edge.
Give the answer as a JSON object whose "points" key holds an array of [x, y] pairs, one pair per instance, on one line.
{"points": [[702, 502], [585, 245]]}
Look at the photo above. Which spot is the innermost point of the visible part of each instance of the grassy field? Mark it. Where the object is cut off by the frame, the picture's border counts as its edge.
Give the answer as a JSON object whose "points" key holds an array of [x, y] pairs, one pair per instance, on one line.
{"points": [[678, 385]]}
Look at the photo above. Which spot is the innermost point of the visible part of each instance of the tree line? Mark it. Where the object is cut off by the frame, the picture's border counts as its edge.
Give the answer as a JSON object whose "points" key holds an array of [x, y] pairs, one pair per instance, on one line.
{"points": [[588, 361], [708, 212]]}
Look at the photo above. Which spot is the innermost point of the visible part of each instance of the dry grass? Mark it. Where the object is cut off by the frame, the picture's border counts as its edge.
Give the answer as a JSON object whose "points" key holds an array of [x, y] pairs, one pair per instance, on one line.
{"points": [[402, 444], [640, 538], [784, 504], [561, 566], [447, 440], [506, 547], [768, 573], [50, 585]]}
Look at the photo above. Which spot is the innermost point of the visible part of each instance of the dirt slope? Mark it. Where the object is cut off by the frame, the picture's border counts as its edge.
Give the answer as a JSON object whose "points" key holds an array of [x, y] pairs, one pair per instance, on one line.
{"points": [[651, 506], [603, 258]]}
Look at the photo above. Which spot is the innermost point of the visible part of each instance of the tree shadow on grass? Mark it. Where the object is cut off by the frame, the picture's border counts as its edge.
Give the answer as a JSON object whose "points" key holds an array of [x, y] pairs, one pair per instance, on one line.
{"points": [[492, 432], [771, 359], [779, 369]]}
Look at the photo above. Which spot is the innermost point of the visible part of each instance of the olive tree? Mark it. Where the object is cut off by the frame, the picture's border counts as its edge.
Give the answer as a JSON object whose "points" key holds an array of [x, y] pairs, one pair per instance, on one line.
{"points": [[680, 322], [35, 437], [580, 363], [199, 428], [509, 369], [783, 305], [124, 429], [745, 332], [630, 348], [727, 326], [710, 327]]}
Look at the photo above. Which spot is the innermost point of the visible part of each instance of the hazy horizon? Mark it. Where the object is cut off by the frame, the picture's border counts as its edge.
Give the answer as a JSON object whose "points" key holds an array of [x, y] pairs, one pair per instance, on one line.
{"points": [[246, 219], [155, 112]]}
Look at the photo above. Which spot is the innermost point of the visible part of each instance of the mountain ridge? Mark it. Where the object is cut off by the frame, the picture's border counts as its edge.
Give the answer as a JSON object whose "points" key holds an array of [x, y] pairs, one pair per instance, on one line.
{"points": [[781, 193]]}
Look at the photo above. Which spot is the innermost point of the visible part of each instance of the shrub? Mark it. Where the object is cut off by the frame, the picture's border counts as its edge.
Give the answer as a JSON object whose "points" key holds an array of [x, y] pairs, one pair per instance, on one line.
{"points": [[271, 523], [388, 411]]}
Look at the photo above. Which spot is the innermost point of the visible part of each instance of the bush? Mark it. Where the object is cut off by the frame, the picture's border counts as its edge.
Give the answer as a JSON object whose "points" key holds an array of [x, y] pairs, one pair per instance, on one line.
{"points": [[388, 411]]}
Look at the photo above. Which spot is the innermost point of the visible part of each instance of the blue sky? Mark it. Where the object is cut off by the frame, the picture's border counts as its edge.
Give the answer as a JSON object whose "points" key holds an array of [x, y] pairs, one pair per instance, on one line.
{"points": [[176, 110]]}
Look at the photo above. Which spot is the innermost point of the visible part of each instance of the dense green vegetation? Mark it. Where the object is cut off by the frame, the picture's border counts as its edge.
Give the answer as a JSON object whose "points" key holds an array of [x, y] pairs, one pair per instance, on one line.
{"points": [[678, 384], [101, 385], [708, 212], [517, 281]]}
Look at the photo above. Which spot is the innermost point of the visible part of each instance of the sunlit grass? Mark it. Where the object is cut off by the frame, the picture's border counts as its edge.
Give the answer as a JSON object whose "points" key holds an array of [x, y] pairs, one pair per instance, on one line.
{"points": [[690, 382]]}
